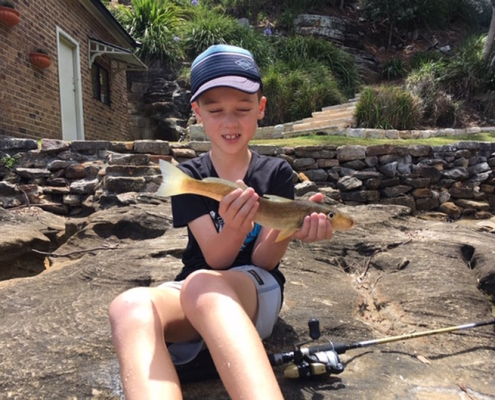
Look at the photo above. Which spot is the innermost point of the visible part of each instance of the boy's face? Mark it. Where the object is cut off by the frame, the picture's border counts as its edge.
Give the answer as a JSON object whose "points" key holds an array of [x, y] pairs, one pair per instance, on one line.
{"points": [[230, 117]]}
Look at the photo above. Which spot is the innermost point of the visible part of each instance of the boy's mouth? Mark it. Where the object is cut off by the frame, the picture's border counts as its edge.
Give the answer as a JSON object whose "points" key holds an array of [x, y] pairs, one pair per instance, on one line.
{"points": [[231, 137]]}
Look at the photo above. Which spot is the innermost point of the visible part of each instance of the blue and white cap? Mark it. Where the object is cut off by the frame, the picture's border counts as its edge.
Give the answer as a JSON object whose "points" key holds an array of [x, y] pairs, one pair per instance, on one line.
{"points": [[224, 65]]}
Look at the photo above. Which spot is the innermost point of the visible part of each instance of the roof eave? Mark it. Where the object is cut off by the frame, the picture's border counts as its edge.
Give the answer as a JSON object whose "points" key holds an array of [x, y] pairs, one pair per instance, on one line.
{"points": [[113, 24]]}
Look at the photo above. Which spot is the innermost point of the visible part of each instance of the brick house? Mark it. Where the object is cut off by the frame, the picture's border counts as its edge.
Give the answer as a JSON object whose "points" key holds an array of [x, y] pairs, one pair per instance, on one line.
{"points": [[82, 95]]}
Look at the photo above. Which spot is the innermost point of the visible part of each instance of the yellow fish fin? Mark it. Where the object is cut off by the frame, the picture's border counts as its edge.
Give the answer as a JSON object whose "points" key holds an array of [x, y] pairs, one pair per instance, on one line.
{"points": [[222, 181], [173, 180], [284, 234], [277, 199]]}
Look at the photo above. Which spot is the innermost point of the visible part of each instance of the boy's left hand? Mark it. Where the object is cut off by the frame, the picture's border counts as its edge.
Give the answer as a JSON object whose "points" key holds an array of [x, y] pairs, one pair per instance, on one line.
{"points": [[316, 226]]}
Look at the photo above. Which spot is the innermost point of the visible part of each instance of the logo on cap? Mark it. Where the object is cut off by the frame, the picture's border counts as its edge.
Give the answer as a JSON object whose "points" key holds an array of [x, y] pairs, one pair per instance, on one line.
{"points": [[244, 64]]}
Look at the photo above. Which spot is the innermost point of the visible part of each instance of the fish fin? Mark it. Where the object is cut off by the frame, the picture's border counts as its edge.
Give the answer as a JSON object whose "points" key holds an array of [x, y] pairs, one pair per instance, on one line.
{"points": [[242, 185], [173, 180], [284, 234], [277, 199], [223, 181]]}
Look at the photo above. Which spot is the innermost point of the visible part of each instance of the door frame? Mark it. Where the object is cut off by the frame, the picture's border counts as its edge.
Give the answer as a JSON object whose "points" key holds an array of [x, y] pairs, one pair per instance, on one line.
{"points": [[77, 84]]}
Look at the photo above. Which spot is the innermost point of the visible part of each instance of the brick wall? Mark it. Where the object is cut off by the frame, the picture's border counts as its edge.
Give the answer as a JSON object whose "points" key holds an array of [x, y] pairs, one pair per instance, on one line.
{"points": [[29, 96]]}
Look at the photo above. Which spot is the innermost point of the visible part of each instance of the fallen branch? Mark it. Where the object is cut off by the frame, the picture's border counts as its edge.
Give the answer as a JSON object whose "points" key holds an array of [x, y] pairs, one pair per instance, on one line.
{"points": [[75, 251]]}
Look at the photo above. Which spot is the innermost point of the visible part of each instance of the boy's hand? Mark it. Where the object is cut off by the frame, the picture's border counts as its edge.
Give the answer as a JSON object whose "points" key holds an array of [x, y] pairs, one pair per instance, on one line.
{"points": [[315, 226], [238, 209]]}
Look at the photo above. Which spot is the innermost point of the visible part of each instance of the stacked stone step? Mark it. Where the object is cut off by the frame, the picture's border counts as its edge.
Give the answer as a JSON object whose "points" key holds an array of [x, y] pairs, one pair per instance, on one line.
{"points": [[336, 117]]}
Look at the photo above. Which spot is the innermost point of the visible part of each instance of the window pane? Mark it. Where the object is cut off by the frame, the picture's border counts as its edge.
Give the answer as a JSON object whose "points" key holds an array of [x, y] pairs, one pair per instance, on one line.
{"points": [[95, 83], [104, 86]]}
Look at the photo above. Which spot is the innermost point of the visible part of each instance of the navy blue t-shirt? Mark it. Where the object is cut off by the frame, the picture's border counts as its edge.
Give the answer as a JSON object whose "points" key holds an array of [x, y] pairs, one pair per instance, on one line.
{"points": [[266, 175]]}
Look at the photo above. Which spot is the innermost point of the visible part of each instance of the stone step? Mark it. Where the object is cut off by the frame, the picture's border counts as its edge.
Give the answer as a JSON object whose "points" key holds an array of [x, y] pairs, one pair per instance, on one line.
{"points": [[314, 124], [343, 106], [327, 130], [339, 107], [347, 113]]}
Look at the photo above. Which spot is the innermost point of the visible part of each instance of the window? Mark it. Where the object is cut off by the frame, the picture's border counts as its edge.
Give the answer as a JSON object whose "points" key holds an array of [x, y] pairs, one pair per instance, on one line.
{"points": [[101, 83]]}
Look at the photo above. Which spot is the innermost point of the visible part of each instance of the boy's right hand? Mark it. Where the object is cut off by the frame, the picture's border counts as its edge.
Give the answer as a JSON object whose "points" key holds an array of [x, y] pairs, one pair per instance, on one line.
{"points": [[238, 209]]}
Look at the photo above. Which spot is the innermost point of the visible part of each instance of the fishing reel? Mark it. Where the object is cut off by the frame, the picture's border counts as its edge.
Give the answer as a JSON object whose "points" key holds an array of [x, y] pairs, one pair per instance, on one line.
{"points": [[305, 362]]}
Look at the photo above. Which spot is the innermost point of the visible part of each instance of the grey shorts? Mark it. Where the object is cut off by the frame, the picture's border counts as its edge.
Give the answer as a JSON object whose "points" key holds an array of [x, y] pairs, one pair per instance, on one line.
{"points": [[269, 304]]}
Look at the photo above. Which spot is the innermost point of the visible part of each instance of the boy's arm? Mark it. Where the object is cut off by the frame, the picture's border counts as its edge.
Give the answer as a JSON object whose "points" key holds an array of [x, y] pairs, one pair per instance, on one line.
{"points": [[220, 249]]}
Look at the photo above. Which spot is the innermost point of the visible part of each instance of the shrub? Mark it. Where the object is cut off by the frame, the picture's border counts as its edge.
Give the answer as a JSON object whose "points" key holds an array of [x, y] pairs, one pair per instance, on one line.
{"points": [[153, 23], [438, 108], [427, 13], [388, 107], [466, 73], [207, 27], [293, 94], [297, 50], [393, 69]]}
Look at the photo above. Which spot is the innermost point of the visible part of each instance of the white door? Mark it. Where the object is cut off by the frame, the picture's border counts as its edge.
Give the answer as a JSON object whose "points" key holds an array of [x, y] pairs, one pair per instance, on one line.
{"points": [[70, 88]]}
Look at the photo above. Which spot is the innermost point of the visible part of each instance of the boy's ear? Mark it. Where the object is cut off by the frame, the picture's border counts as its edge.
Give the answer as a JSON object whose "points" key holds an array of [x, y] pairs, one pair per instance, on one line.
{"points": [[197, 111], [262, 107]]}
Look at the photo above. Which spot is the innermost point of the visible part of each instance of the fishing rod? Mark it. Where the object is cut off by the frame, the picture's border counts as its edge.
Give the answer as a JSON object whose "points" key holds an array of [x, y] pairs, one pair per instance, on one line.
{"points": [[322, 359], [308, 361]]}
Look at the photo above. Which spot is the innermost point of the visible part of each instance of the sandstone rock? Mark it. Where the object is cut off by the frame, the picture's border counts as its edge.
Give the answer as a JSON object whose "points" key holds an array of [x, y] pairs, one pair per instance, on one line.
{"points": [[451, 209], [391, 275], [350, 153], [332, 28], [476, 205], [347, 183]]}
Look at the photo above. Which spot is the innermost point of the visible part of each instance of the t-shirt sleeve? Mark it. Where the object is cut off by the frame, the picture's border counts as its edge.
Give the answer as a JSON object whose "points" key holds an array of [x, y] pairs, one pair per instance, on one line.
{"points": [[284, 185], [186, 208]]}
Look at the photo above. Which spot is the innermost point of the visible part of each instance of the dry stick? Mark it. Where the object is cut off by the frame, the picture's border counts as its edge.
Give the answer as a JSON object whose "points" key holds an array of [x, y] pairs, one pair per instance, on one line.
{"points": [[390, 246], [75, 252], [368, 262]]}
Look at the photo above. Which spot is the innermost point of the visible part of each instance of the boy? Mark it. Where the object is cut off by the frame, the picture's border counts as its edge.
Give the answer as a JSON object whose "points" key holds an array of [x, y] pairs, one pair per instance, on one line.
{"points": [[229, 293]]}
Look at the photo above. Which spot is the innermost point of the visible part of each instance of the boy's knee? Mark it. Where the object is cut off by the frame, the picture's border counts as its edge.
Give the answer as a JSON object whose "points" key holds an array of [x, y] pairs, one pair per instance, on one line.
{"points": [[134, 305], [202, 289]]}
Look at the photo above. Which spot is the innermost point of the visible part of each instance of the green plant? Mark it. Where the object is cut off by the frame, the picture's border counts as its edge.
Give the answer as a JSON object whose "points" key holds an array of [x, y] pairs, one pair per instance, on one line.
{"points": [[7, 4], [438, 108], [388, 107], [296, 51], [466, 73], [394, 69], [294, 93], [41, 51], [8, 161], [155, 24]]}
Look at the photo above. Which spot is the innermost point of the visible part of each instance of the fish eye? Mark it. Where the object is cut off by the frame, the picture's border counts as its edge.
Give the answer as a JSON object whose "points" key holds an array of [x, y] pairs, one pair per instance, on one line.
{"points": [[330, 215]]}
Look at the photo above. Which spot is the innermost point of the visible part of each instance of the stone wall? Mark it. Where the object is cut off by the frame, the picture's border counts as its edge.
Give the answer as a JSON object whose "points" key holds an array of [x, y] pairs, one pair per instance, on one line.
{"points": [[74, 177]]}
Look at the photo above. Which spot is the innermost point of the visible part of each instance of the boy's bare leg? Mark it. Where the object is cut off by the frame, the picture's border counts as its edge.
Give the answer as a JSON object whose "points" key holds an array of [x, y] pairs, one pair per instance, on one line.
{"points": [[221, 306], [138, 318]]}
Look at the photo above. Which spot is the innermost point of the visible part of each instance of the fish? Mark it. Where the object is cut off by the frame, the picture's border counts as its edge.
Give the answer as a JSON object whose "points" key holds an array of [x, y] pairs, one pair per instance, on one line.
{"points": [[274, 212]]}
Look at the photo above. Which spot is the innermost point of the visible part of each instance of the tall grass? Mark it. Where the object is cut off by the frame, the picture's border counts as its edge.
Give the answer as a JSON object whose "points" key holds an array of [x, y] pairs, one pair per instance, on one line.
{"points": [[293, 94], [388, 107], [297, 50]]}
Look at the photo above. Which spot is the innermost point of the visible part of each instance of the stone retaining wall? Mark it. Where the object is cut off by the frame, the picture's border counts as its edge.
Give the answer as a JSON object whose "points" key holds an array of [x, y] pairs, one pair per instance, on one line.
{"points": [[283, 131], [71, 177]]}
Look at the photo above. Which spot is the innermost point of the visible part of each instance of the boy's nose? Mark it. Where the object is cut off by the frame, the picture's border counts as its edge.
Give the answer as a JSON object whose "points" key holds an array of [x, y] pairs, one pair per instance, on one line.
{"points": [[230, 120]]}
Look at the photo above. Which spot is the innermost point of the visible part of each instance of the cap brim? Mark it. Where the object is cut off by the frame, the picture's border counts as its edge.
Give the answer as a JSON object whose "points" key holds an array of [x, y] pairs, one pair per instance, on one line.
{"points": [[236, 82]]}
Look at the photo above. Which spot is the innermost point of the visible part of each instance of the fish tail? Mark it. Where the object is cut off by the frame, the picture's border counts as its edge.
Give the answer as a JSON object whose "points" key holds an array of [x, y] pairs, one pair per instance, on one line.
{"points": [[174, 180]]}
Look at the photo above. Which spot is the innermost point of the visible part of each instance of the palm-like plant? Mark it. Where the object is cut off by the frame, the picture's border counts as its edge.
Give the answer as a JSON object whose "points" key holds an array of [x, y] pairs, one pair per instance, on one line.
{"points": [[153, 23]]}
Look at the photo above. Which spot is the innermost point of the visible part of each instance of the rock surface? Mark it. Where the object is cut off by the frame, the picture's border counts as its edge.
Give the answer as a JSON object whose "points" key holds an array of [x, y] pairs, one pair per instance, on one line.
{"points": [[393, 274]]}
